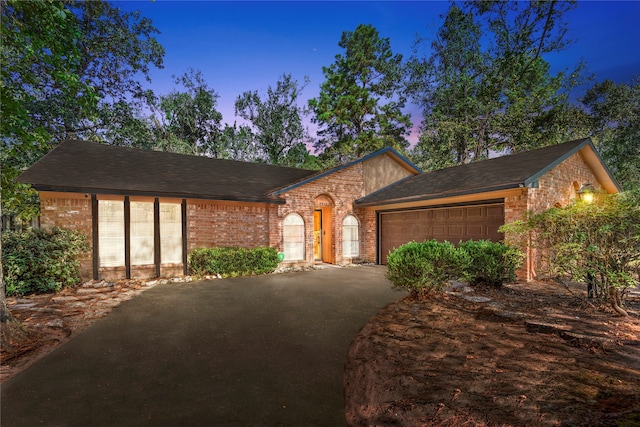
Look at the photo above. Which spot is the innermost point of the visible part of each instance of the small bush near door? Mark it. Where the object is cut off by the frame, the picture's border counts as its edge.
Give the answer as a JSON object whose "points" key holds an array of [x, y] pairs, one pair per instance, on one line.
{"points": [[232, 262], [38, 260]]}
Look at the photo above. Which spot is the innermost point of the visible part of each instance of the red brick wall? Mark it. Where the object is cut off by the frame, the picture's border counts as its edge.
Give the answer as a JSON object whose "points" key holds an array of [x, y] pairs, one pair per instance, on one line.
{"points": [[343, 188], [223, 224], [219, 223], [369, 234], [557, 185], [555, 188], [70, 211]]}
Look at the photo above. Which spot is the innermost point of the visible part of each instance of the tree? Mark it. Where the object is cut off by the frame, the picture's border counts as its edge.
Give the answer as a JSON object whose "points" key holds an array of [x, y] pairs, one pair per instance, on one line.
{"points": [[240, 143], [117, 48], [359, 108], [614, 114], [39, 52], [40, 57], [128, 125], [451, 86], [11, 330], [487, 87], [597, 243], [64, 64], [187, 122], [276, 121]]}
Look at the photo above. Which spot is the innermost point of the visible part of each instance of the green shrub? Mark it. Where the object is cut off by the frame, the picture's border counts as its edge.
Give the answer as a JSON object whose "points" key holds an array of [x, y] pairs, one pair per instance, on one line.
{"points": [[420, 267], [231, 262], [491, 263], [38, 260], [595, 243]]}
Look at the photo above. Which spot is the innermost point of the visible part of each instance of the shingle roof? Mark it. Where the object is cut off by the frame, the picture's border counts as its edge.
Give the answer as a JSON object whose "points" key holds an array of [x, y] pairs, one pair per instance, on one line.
{"points": [[505, 172], [88, 167]]}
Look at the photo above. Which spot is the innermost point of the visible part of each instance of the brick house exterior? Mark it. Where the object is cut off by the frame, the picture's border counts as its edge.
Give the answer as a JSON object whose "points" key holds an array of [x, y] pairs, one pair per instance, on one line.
{"points": [[157, 207], [556, 188], [525, 182]]}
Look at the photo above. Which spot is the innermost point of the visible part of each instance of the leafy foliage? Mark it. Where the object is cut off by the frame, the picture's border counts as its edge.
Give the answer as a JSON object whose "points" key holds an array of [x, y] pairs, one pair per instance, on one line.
{"points": [[41, 59], [486, 85], [187, 122], [240, 144], [360, 102], [491, 263], [426, 266], [277, 122], [117, 51], [38, 260], [67, 67], [614, 114], [597, 243], [232, 262]]}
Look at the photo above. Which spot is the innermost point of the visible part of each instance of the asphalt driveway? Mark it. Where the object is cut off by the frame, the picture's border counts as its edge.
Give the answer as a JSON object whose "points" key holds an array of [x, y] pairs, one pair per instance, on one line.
{"points": [[254, 351]]}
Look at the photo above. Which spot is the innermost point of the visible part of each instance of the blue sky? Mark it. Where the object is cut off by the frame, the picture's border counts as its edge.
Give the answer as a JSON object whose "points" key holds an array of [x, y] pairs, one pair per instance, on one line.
{"points": [[244, 45]]}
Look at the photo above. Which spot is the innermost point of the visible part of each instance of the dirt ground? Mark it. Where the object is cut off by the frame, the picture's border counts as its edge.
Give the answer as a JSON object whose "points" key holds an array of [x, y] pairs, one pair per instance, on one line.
{"points": [[530, 354]]}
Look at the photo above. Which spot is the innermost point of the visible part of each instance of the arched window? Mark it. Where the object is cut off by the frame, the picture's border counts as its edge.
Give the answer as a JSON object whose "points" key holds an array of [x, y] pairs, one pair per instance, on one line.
{"points": [[293, 239], [350, 237]]}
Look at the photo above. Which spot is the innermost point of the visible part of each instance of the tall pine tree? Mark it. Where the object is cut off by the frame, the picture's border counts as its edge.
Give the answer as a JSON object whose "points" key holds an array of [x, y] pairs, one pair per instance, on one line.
{"points": [[359, 109], [487, 87]]}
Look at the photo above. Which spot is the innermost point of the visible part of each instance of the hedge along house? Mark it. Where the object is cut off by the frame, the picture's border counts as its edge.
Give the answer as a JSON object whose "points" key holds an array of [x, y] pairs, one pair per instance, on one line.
{"points": [[143, 211], [472, 201]]}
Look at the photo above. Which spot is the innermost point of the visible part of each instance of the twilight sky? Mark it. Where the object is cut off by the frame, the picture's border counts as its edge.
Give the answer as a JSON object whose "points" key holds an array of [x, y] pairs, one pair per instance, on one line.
{"points": [[244, 45]]}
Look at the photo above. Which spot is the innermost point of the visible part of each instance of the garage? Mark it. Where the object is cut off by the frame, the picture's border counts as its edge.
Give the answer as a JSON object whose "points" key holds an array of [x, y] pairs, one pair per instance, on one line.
{"points": [[452, 223]]}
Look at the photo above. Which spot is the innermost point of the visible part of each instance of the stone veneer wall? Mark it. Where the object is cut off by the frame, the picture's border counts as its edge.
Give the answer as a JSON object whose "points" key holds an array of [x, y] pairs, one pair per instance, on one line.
{"points": [[343, 188], [555, 188], [225, 224]]}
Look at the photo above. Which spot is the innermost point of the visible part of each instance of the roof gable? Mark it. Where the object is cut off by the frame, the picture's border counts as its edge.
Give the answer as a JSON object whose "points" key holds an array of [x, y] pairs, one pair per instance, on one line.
{"points": [[403, 161], [81, 166], [506, 172]]}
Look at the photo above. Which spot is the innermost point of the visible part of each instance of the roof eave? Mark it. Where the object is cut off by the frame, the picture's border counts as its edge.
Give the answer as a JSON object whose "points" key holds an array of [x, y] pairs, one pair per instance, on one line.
{"points": [[425, 197], [605, 175], [178, 195]]}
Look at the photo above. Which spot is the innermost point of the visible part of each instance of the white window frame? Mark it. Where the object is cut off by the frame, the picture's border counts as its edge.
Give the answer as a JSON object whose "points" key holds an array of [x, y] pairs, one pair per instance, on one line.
{"points": [[170, 233], [350, 237], [293, 237], [111, 233], [141, 231]]}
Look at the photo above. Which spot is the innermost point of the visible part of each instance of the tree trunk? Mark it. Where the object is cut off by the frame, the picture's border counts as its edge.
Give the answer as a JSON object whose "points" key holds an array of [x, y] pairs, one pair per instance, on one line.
{"points": [[614, 298], [5, 313]]}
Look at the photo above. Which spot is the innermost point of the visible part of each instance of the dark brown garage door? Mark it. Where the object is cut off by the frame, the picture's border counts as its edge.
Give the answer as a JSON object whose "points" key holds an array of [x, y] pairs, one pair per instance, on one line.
{"points": [[452, 223]]}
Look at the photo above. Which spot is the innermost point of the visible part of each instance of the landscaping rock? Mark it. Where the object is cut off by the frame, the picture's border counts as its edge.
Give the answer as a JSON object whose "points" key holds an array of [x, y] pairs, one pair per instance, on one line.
{"points": [[56, 323]]}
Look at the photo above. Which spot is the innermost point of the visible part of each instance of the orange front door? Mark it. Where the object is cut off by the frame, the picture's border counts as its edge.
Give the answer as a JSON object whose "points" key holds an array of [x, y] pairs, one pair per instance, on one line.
{"points": [[327, 238], [317, 235]]}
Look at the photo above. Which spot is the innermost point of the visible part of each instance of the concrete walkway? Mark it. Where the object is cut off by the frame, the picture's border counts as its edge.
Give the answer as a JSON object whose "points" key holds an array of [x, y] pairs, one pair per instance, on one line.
{"points": [[254, 351]]}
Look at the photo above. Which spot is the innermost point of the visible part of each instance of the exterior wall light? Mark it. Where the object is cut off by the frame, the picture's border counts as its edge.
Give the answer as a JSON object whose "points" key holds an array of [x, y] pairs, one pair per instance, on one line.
{"points": [[587, 193]]}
